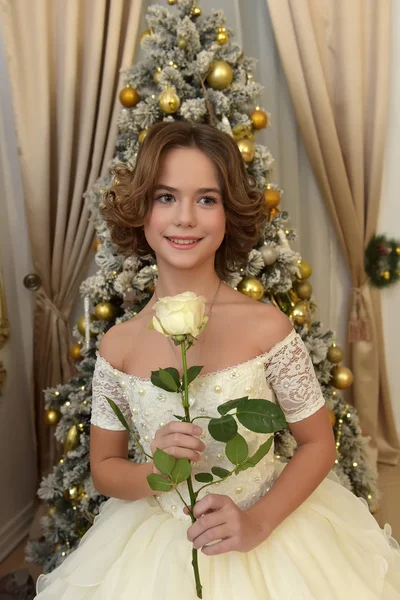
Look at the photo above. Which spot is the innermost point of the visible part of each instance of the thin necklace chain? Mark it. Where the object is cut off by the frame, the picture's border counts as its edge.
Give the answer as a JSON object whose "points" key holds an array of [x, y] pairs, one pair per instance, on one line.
{"points": [[201, 341]]}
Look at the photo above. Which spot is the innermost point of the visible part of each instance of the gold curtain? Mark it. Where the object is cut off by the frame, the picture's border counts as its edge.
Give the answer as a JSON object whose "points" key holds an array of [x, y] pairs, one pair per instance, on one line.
{"points": [[335, 55], [64, 61]]}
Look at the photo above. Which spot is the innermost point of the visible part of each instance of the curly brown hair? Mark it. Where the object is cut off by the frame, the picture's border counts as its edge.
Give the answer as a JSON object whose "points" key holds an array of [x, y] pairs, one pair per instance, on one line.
{"points": [[129, 200]]}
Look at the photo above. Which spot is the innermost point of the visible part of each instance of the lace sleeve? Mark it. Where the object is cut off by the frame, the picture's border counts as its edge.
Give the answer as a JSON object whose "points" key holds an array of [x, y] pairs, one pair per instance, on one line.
{"points": [[106, 385], [291, 374]]}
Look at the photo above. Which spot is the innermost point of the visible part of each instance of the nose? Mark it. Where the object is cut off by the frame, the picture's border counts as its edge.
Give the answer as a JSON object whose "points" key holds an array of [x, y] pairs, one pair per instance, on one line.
{"points": [[185, 215]]}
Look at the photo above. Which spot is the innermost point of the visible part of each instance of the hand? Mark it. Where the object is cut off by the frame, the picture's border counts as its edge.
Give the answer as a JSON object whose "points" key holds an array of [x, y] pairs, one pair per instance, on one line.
{"points": [[178, 439], [219, 518]]}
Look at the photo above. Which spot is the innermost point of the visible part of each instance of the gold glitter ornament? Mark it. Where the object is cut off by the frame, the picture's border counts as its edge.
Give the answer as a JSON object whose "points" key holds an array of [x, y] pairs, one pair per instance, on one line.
{"points": [[142, 135], [169, 100], [303, 289], [385, 275], [272, 197], [52, 416], [247, 150], [156, 76], [334, 354], [81, 325], [342, 377], [171, 2], [251, 287], [220, 75], [305, 269], [71, 439], [397, 250], [259, 118], [195, 12], [182, 43], [73, 493], [75, 352], [222, 36], [52, 510], [104, 311], [129, 96], [300, 312], [146, 33]]}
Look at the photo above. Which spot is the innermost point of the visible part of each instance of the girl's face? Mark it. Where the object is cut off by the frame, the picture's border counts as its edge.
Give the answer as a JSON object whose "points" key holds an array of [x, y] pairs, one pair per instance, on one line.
{"points": [[187, 203]]}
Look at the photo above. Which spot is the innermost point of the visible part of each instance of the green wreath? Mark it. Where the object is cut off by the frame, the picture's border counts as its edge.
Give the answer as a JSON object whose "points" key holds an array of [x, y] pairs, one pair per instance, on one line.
{"points": [[382, 261]]}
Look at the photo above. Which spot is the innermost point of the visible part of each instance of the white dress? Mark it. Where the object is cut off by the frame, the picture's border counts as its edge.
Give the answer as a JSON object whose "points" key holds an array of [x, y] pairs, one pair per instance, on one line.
{"points": [[329, 548]]}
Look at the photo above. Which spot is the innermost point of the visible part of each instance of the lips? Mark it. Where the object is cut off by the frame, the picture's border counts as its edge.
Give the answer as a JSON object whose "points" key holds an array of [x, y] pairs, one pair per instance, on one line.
{"points": [[186, 244]]}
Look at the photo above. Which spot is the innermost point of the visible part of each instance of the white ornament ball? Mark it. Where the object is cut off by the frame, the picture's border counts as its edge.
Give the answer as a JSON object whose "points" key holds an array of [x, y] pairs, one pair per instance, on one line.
{"points": [[269, 254]]}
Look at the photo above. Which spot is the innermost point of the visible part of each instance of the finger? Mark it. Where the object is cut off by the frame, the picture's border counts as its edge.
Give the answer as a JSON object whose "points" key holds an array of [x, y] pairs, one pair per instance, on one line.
{"points": [[181, 427], [182, 441], [204, 523], [210, 502], [211, 536], [183, 453], [222, 547]]}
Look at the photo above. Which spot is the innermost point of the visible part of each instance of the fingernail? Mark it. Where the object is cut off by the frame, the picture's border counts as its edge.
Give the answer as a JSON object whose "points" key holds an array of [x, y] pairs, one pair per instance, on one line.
{"points": [[198, 430]]}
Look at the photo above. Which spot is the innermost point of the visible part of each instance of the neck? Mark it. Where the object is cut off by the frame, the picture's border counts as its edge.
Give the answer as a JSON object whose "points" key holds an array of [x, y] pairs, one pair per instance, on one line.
{"points": [[206, 286]]}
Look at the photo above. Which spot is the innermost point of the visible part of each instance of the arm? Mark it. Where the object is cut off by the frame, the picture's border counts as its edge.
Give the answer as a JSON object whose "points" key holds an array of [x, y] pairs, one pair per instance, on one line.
{"points": [[291, 374], [113, 474]]}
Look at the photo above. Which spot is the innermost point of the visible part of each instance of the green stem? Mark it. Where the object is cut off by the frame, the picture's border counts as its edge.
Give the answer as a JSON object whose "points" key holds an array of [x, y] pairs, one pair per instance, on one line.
{"points": [[202, 417], [140, 445], [189, 480]]}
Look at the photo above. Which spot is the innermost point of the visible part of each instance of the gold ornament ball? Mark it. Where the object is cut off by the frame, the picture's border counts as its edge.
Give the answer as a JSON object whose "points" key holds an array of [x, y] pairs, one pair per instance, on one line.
{"points": [[81, 325], [222, 36], [142, 135], [169, 101], [52, 510], [300, 312], [332, 418], [104, 311], [342, 377], [51, 416], [305, 269], [272, 197], [73, 493], [334, 354], [304, 289], [196, 12], [156, 76], [259, 118], [220, 75], [182, 43], [397, 250], [75, 352], [385, 275], [269, 254], [171, 2], [247, 150], [71, 439], [129, 97], [251, 287]]}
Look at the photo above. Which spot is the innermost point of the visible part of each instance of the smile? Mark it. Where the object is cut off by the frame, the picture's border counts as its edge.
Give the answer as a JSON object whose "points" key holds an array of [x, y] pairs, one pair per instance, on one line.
{"points": [[183, 244]]}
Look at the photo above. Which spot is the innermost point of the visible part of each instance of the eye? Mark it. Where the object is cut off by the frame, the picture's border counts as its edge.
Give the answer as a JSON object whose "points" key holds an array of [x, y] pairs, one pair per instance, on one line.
{"points": [[212, 200], [164, 196]]}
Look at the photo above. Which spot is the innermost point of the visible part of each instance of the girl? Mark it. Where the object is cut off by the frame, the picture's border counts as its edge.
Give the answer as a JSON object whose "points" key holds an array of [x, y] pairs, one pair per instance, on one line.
{"points": [[273, 532]]}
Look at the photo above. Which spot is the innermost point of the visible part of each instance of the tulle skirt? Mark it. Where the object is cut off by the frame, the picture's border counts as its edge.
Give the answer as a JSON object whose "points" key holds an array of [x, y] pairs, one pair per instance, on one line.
{"points": [[330, 548]]}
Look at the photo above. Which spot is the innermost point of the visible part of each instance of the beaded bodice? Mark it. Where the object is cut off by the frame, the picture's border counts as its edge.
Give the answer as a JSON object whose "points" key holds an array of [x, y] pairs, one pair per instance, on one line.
{"points": [[285, 373]]}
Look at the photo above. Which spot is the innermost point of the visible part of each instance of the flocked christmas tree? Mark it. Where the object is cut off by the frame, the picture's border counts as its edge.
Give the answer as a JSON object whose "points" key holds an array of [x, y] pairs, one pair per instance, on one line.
{"points": [[192, 72]]}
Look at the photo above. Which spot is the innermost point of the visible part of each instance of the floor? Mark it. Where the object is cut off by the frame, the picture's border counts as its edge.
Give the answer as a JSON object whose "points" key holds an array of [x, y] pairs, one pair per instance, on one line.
{"points": [[389, 512]]}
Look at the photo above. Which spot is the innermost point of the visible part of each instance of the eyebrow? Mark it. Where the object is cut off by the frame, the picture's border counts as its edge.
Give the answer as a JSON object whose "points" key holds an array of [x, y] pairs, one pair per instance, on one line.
{"points": [[200, 190]]}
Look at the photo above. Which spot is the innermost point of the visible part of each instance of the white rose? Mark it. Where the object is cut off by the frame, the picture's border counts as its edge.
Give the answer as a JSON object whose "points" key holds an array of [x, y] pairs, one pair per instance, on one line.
{"points": [[182, 314]]}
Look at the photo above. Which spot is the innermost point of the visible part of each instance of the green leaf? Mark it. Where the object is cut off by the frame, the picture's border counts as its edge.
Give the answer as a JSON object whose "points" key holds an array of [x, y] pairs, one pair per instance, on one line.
{"points": [[223, 429], [158, 483], [261, 416], [237, 449], [166, 379], [227, 406], [203, 477], [257, 456], [118, 412], [193, 373], [164, 462], [261, 452], [179, 417], [181, 471], [220, 472]]}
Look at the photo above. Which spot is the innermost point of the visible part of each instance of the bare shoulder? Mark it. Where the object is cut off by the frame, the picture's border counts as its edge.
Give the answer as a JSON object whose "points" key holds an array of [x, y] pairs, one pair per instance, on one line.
{"points": [[116, 342], [270, 324]]}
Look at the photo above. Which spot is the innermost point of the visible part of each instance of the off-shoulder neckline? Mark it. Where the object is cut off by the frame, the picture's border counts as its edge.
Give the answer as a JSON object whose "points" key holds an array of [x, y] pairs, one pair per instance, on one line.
{"points": [[293, 333]]}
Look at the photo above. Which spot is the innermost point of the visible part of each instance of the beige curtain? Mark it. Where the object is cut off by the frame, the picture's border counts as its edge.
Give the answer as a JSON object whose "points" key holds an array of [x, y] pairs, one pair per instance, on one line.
{"points": [[64, 61], [335, 55]]}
